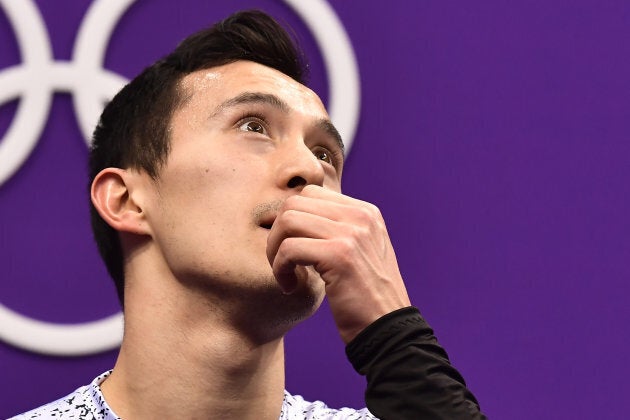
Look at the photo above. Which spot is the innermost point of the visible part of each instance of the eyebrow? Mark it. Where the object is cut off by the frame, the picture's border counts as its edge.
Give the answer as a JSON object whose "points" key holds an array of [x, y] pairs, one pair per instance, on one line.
{"points": [[323, 124], [253, 98], [329, 128]]}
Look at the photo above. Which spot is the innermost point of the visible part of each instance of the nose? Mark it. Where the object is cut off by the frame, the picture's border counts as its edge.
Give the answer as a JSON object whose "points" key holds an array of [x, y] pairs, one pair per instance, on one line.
{"points": [[299, 167]]}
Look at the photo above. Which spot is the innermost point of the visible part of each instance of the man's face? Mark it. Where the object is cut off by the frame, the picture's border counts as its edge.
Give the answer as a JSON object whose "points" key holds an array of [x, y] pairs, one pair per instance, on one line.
{"points": [[246, 138]]}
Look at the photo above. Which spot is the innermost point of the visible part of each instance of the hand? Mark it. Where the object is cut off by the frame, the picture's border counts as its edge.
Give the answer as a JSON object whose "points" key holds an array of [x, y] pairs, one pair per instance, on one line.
{"points": [[345, 240]]}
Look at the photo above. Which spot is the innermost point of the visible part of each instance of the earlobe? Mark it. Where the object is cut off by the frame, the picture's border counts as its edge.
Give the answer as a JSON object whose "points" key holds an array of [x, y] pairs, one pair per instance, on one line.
{"points": [[115, 198]]}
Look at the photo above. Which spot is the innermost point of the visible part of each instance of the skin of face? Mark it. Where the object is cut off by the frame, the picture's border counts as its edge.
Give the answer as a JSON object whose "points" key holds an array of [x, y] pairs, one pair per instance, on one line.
{"points": [[245, 139]]}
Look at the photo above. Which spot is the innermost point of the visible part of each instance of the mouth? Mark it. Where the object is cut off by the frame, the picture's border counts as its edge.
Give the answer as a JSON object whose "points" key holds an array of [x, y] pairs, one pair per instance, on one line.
{"points": [[267, 223], [265, 213]]}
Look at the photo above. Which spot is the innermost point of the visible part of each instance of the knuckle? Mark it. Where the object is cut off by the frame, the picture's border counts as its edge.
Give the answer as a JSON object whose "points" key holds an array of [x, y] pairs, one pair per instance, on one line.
{"points": [[290, 203], [289, 220], [373, 211], [360, 233], [310, 188], [343, 248], [368, 218], [284, 249], [368, 213]]}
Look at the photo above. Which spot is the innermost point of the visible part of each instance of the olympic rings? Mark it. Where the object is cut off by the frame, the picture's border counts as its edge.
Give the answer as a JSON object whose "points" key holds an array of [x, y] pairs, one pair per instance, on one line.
{"points": [[39, 76]]}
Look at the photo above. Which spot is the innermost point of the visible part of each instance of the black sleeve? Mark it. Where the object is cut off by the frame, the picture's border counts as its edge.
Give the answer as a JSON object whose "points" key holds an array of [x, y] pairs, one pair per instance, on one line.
{"points": [[408, 373]]}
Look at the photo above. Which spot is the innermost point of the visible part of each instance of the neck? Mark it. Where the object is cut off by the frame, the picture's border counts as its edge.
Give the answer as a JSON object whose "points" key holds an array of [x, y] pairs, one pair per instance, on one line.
{"points": [[182, 358]]}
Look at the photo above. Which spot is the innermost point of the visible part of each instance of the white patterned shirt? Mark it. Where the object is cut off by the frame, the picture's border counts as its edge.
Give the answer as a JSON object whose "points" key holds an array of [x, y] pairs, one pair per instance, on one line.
{"points": [[88, 403]]}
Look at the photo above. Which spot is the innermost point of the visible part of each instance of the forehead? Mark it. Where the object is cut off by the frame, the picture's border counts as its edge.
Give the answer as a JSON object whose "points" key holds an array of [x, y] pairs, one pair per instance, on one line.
{"points": [[216, 85]]}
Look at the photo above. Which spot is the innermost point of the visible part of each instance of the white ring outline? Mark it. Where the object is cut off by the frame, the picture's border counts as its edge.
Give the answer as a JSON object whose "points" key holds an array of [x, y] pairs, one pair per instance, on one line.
{"points": [[344, 99], [88, 55], [35, 104]]}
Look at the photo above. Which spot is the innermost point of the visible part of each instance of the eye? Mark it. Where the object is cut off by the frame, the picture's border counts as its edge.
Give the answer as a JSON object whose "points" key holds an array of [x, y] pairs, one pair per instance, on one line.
{"points": [[323, 154], [332, 157], [253, 126]]}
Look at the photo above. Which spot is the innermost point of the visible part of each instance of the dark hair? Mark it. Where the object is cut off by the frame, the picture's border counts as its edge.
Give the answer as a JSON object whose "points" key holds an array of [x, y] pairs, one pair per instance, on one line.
{"points": [[133, 129]]}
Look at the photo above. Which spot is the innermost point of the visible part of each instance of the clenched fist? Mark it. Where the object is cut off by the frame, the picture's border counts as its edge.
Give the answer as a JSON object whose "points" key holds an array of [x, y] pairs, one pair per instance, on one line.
{"points": [[345, 240]]}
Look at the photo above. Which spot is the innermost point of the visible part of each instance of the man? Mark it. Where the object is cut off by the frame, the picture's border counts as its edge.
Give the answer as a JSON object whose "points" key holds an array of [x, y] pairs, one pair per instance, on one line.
{"points": [[216, 205]]}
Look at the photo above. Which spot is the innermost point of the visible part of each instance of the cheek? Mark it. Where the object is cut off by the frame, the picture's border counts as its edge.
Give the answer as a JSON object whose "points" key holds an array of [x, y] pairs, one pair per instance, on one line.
{"points": [[214, 192], [195, 178], [216, 184]]}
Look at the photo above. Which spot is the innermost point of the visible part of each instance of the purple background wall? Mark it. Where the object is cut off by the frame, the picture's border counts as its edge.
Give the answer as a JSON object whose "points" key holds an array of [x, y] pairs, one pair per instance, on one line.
{"points": [[493, 136]]}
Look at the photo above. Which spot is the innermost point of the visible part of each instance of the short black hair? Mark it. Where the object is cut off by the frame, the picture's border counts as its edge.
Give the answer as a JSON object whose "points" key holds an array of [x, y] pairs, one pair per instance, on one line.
{"points": [[133, 130]]}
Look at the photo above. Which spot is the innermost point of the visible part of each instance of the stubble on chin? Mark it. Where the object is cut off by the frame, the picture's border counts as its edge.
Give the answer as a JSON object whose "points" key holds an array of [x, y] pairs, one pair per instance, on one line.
{"points": [[274, 310], [257, 307], [265, 314]]}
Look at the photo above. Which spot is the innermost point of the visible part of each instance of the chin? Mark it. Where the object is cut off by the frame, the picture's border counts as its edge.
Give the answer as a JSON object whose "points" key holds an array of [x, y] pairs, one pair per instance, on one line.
{"points": [[271, 314], [256, 303]]}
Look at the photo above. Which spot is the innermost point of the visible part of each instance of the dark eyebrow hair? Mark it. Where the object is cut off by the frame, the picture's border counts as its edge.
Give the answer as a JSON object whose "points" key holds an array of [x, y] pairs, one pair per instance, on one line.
{"points": [[323, 124], [254, 97], [329, 128]]}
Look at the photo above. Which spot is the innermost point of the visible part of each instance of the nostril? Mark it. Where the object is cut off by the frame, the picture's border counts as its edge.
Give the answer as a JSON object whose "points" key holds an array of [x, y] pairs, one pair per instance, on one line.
{"points": [[296, 181]]}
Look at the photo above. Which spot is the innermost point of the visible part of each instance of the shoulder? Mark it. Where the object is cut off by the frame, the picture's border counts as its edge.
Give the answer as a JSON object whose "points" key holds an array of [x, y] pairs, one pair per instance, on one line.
{"points": [[86, 403], [295, 407], [72, 406]]}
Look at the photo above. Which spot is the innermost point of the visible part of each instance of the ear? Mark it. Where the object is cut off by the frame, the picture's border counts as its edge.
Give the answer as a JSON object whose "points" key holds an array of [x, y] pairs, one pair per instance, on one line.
{"points": [[117, 198]]}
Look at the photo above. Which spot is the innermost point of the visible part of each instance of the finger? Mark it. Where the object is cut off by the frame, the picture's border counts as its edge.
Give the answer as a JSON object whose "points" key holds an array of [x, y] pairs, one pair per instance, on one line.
{"points": [[345, 208], [289, 277], [334, 206], [296, 252], [294, 223], [315, 191], [315, 205]]}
